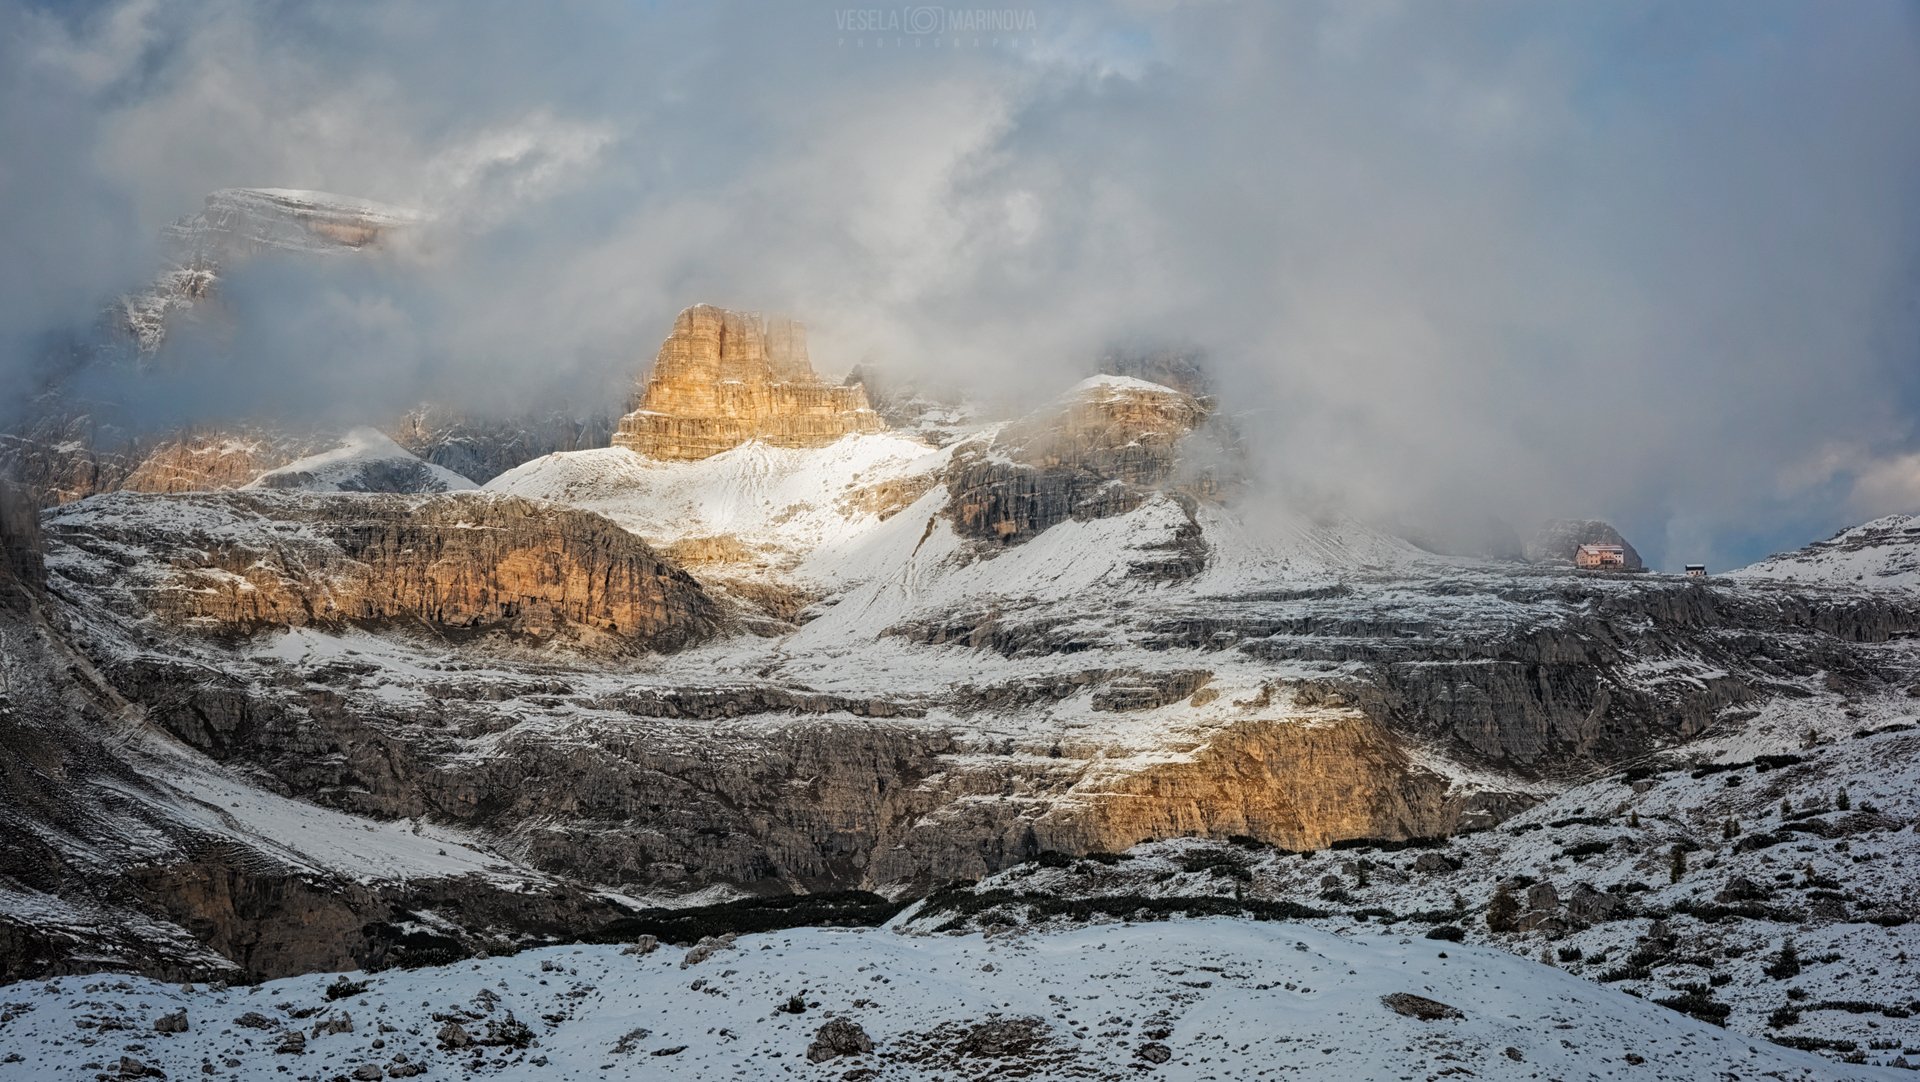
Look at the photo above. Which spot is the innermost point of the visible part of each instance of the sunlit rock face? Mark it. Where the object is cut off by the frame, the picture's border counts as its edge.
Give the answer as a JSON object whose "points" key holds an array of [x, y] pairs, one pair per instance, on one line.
{"points": [[202, 460], [724, 378], [240, 562]]}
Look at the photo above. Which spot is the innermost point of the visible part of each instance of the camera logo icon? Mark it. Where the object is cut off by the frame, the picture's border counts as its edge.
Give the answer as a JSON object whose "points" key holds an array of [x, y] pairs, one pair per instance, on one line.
{"points": [[922, 20]]}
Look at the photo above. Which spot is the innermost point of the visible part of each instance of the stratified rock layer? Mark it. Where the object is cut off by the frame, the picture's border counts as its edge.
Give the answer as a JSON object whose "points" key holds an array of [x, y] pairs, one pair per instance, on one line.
{"points": [[723, 378], [243, 561]]}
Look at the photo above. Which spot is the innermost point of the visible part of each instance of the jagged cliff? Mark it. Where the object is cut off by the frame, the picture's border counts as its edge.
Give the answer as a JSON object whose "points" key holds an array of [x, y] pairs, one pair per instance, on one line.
{"points": [[723, 378]]}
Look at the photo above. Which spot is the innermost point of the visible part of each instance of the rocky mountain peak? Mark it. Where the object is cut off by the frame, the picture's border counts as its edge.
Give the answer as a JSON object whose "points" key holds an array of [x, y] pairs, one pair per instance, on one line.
{"points": [[723, 378]]}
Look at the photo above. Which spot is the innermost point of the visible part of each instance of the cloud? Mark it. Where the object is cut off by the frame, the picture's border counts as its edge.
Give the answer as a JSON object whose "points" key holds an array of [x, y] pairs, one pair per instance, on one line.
{"points": [[1644, 261]]}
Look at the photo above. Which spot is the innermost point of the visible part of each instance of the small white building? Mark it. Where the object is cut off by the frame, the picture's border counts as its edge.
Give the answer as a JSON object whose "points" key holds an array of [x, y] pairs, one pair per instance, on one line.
{"points": [[1696, 571]]}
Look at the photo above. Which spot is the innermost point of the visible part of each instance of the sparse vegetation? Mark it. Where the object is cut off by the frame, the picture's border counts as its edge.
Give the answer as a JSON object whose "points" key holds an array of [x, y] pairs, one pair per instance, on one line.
{"points": [[1503, 910], [1786, 964]]}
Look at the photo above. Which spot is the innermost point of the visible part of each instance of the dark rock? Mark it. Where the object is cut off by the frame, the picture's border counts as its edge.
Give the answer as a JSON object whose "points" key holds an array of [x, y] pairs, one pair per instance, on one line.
{"points": [[1741, 889], [172, 1022], [1154, 1052], [1426, 1010], [839, 1037], [1590, 906], [1543, 897], [133, 1068], [1003, 1038]]}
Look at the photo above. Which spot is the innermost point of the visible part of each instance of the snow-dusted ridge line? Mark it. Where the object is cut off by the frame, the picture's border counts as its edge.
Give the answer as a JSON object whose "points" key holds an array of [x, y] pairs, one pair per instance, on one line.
{"points": [[364, 455], [1882, 553], [373, 210]]}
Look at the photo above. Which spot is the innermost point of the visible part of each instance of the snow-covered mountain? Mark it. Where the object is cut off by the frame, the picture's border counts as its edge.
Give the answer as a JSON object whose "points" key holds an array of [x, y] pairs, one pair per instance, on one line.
{"points": [[817, 656], [1882, 553], [365, 461]]}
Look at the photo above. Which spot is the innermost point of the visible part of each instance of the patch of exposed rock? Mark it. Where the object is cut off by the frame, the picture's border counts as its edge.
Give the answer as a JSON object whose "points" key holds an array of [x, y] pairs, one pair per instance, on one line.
{"points": [[839, 1037], [723, 378], [21, 557]]}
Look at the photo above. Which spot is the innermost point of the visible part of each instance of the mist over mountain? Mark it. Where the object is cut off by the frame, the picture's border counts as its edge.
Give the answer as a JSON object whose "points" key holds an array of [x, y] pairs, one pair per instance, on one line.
{"points": [[1642, 262], [1362, 539]]}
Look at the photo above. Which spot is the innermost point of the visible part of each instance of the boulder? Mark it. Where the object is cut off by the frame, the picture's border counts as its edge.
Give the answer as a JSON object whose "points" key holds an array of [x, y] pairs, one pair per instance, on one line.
{"points": [[839, 1037]]}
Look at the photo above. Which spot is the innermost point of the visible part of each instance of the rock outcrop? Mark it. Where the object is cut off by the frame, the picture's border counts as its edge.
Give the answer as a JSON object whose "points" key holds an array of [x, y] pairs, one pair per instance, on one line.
{"points": [[206, 459], [21, 557], [1107, 447], [723, 378], [245, 561]]}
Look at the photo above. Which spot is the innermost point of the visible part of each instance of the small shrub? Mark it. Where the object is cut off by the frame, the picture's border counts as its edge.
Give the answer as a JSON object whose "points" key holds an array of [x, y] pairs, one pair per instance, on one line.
{"points": [[1786, 964], [1449, 933], [1503, 911], [1586, 849], [343, 988]]}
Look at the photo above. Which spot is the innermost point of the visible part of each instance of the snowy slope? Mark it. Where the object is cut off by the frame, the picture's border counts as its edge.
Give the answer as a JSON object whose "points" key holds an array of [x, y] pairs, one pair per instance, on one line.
{"points": [[366, 461], [1884, 552], [1209, 999], [785, 505]]}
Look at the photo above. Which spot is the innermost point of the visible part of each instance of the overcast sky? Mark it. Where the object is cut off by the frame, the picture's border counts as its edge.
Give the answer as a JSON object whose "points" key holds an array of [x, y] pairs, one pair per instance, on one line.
{"points": [[1650, 262]]}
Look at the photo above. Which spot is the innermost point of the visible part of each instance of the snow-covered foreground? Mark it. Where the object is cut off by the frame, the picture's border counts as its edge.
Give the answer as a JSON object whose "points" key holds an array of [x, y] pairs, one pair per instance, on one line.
{"points": [[1199, 999]]}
